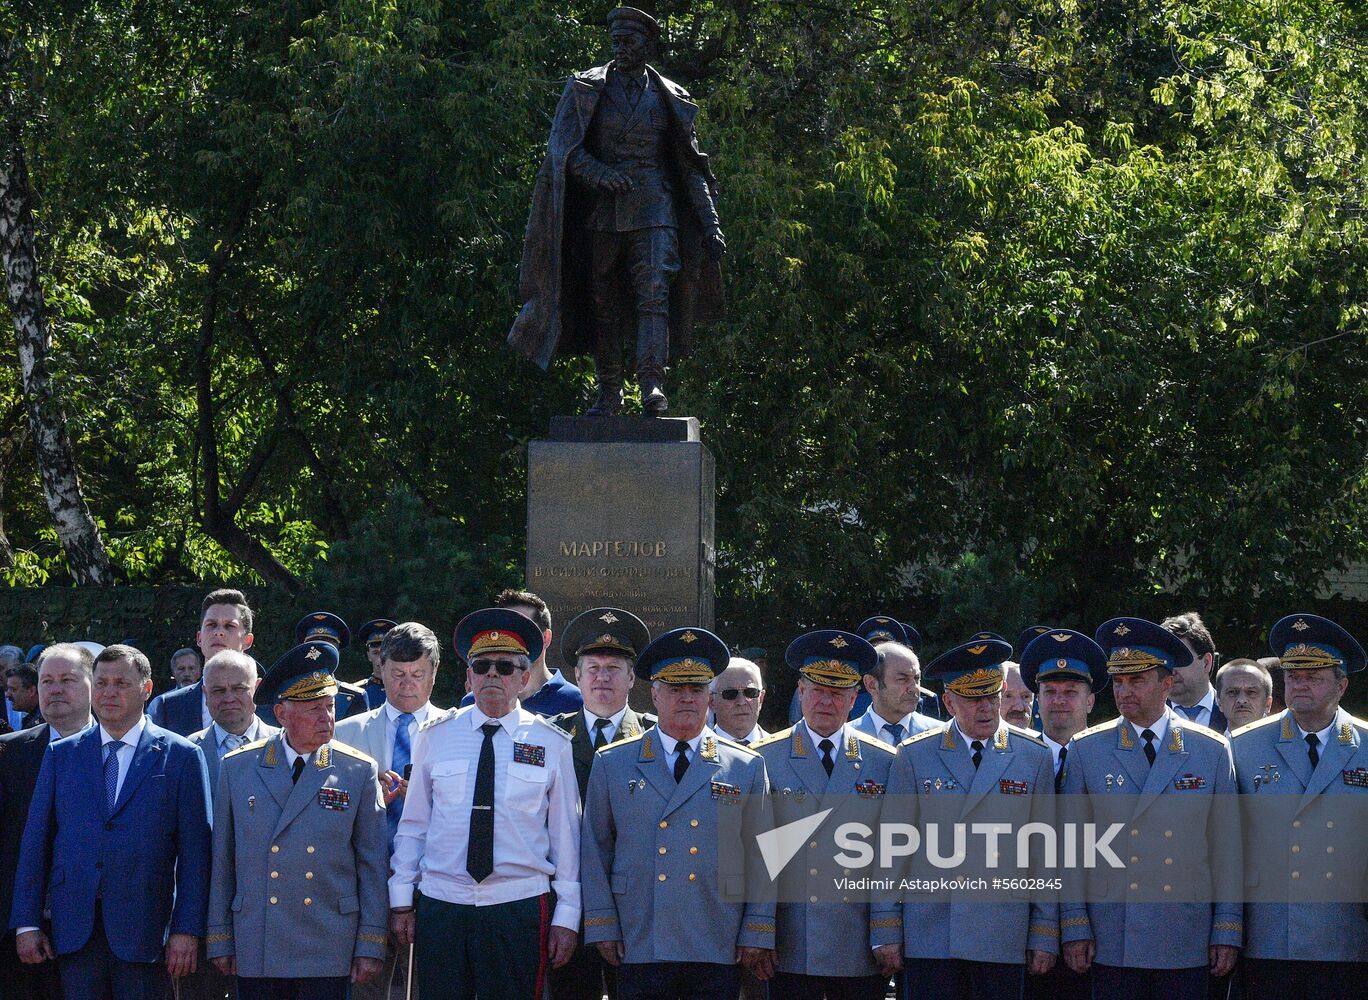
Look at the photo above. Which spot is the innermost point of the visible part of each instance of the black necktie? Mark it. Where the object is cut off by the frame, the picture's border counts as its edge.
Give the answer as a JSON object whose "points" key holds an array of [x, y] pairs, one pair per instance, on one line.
{"points": [[977, 747], [601, 732], [1059, 774], [480, 849], [681, 760], [1148, 734], [297, 770], [827, 762], [1312, 742]]}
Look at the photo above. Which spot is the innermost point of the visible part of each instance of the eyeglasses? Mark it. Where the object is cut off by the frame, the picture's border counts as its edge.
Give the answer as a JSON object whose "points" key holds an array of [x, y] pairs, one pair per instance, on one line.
{"points": [[730, 694], [504, 667]]}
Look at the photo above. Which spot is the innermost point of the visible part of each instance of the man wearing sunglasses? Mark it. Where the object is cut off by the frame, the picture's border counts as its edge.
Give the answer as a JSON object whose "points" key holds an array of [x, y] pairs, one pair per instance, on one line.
{"points": [[735, 698], [490, 830], [603, 644]]}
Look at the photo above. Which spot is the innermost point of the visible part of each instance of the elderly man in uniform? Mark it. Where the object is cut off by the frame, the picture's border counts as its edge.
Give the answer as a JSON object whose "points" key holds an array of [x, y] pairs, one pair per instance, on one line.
{"points": [[372, 634], [735, 698], [602, 643], [409, 659], [1317, 752], [1137, 948], [953, 949], [1244, 691], [297, 909], [1064, 668], [837, 950], [490, 830], [653, 877]]}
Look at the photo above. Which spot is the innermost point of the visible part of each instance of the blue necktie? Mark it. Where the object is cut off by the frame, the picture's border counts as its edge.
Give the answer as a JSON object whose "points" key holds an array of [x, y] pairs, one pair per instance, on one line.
{"points": [[399, 760], [111, 773], [1191, 712], [895, 730]]}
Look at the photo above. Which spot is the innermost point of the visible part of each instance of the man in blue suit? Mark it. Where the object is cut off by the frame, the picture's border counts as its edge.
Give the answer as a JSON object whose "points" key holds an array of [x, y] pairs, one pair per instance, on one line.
{"points": [[225, 623], [118, 839]]}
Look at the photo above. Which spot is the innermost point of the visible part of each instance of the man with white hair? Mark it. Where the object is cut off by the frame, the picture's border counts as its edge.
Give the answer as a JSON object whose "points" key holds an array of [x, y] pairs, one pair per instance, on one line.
{"points": [[735, 697]]}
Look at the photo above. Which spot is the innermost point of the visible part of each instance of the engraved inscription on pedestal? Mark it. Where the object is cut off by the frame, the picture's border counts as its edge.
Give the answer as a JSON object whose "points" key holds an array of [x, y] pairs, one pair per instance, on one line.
{"points": [[627, 524]]}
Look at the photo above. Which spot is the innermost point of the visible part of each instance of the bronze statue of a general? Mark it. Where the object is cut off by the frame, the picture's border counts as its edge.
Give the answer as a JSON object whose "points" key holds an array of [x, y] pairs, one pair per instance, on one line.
{"points": [[623, 235]]}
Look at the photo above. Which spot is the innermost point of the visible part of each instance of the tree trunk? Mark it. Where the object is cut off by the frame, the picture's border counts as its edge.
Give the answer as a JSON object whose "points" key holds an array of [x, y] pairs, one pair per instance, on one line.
{"points": [[76, 529]]}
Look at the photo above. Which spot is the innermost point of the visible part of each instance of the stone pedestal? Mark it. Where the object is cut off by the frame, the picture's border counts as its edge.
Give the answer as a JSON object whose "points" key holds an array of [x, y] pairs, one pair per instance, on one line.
{"points": [[620, 513]]}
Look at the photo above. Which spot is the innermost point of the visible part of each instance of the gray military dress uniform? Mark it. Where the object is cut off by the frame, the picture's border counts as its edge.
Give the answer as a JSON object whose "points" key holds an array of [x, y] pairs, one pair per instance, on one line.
{"points": [[298, 885], [827, 938], [1131, 928], [934, 777], [1313, 841], [650, 870]]}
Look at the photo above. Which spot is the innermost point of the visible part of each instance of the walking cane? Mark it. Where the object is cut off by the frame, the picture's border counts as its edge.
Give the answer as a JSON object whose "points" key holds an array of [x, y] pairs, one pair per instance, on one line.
{"points": [[408, 987]]}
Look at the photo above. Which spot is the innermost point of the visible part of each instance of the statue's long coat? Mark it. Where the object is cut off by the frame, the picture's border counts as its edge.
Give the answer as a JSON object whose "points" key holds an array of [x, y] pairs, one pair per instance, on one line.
{"points": [[553, 281]]}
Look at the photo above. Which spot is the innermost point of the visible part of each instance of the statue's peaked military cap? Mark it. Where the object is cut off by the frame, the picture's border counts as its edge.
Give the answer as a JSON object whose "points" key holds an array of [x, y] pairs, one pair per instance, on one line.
{"points": [[974, 669], [302, 674], [1309, 642], [374, 630], [323, 625], [638, 20], [833, 658], [914, 639], [1063, 654], [1024, 639], [683, 656], [497, 630], [1134, 645], [604, 630], [881, 628]]}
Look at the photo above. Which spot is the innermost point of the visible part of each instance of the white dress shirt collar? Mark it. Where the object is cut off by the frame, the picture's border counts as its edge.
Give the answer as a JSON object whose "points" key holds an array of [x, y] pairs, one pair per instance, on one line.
{"points": [[251, 734], [837, 738], [1323, 737], [291, 753], [509, 721], [131, 737], [420, 715], [614, 723], [668, 743], [987, 741], [1159, 728]]}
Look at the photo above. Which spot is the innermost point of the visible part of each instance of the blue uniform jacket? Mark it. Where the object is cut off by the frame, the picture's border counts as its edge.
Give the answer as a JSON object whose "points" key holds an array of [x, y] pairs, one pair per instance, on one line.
{"points": [[150, 855], [180, 710]]}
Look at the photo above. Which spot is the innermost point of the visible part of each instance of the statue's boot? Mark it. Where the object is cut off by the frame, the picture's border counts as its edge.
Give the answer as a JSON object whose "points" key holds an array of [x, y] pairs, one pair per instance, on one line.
{"points": [[608, 370], [653, 344]]}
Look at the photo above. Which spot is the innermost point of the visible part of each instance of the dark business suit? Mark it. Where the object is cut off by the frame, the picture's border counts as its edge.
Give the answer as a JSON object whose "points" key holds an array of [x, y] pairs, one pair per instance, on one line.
{"points": [[586, 976], [118, 880], [21, 757], [181, 710]]}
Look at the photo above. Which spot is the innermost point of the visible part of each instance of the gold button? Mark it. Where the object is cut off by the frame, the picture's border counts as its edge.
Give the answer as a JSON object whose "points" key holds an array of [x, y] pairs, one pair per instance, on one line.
{"points": [[308, 901], [308, 874], [693, 850], [275, 848], [1329, 874], [1330, 849], [812, 899], [275, 874], [661, 876], [1329, 825], [1296, 874], [845, 871], [662, 850], [1168, 833], [1134, 886], [664, 823], [310, 848], [1168, 888], [1168, 861], [273, 900], [1135, 833], [813, 844], [1296, 824], [693, 877], [1134, 860], [1296, 848], [812, 871], [693, 822], [845, 899]]}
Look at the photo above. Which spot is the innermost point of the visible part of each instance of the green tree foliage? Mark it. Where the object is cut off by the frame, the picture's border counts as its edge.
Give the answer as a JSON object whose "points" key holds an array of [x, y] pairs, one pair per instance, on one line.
{"points": [[1074, 290]]}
